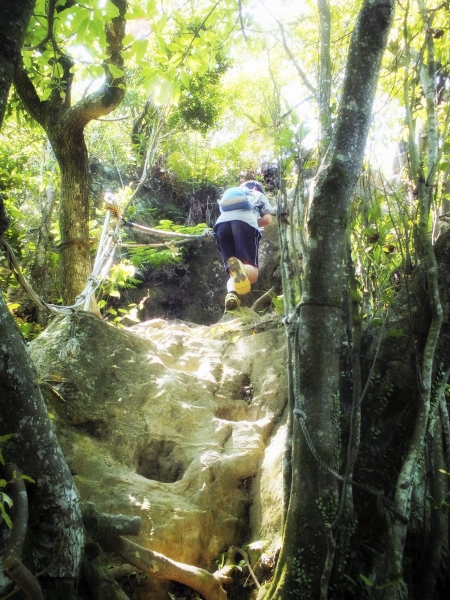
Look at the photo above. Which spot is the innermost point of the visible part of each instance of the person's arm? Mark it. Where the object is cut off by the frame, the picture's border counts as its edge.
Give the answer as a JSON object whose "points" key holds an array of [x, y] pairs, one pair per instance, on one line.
{"points": [[265, 220]]}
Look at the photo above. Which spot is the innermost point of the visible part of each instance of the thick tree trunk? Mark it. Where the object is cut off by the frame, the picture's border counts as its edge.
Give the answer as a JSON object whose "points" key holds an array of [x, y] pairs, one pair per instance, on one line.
{"points": [[308, 540], [72, 156], [55, 523]]}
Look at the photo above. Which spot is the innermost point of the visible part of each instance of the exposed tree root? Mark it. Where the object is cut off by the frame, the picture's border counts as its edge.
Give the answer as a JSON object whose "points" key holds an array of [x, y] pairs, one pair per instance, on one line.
{"points": [[230, 564], [122, 571], [107, 529], [159, 566], [263, 300], [100, 582], [101, 525], [12, 557]]}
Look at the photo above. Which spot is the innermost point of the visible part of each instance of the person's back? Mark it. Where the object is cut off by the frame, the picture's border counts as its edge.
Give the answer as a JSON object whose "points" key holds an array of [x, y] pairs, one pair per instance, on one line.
{"points": [[238, 232]]}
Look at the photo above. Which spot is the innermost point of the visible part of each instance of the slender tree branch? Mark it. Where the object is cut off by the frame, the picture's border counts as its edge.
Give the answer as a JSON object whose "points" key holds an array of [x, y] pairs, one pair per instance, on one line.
{"points": [[50, 22], [241, 20], [300, 71]]}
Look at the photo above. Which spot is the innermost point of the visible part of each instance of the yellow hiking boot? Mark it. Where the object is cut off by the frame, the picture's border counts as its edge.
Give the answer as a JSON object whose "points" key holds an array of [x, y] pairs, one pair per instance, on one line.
{"points": [[237, 271], [232, 302]]}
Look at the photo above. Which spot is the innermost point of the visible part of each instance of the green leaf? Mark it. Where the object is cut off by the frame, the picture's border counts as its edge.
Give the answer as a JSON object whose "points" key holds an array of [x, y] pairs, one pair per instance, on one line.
{"points": [[4, 438], [5, 516], [6, 499], [356, 295], [140, 48], [27, 60], [159, 25], [128, 39], [81, 30], [96, 29], [28, 478], [79, 16], [151, 10], [161, 43], [396, 333], [135, 12], [176, 60], [59, 71], [366, 581], [377, 321], [115, 71], [167, 90], [111, 10], [114, 293], [184, 77]]}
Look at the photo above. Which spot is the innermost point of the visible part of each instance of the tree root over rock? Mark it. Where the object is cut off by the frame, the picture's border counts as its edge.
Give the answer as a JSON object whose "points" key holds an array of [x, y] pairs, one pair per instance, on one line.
{"points": [[159, 566], [107, 529]]}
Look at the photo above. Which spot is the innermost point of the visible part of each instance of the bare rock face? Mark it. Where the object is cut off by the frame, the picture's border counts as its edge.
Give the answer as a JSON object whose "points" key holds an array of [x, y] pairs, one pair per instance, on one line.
{"points": [[177, 423]]}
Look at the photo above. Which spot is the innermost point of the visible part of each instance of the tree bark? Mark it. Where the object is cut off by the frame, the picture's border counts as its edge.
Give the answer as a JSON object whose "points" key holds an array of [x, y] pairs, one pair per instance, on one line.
{"points": [[55, 522], [55, 510]]}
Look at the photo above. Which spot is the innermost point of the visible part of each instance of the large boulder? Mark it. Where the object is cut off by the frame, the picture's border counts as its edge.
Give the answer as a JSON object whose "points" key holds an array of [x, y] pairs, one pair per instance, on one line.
{"points": [[177, 423]]}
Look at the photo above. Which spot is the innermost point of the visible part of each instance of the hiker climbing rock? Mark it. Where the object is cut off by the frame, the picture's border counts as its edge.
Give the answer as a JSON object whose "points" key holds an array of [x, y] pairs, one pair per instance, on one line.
{"points": [[244, 212]]}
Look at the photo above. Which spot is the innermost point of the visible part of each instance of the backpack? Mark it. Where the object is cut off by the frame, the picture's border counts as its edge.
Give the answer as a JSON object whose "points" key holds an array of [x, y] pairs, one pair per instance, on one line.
{"points": [[236, 198]]}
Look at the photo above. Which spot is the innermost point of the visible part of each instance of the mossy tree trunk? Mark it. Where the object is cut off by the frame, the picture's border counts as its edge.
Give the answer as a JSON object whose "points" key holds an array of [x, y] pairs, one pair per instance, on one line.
{"points": [[308, 540]]}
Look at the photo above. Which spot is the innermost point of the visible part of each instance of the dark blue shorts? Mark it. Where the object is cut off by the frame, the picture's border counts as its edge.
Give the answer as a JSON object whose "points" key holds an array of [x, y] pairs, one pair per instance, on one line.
{"points": [[239, 239]]}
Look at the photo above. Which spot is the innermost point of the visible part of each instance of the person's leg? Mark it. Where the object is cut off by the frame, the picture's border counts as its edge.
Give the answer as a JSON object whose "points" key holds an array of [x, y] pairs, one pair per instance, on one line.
{"points": [[246, 241], [238, 240], [225, 241], [252, 273], [225, 244], [238, 281]]}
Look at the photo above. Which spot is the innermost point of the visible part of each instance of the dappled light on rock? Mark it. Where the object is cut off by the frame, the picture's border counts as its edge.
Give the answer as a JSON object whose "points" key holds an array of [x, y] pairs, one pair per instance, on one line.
{"points": [[172, 422]]}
